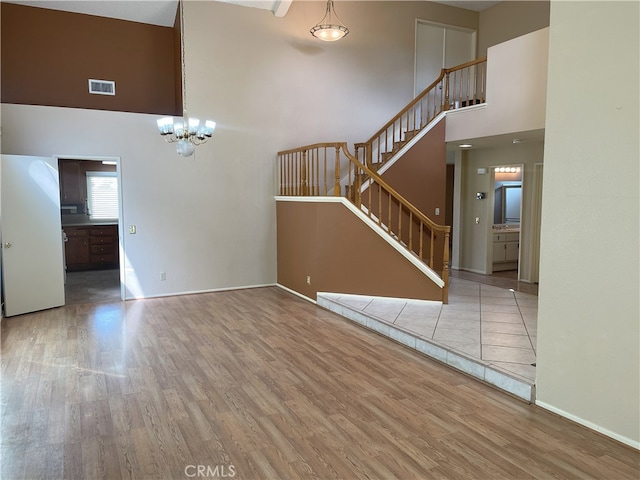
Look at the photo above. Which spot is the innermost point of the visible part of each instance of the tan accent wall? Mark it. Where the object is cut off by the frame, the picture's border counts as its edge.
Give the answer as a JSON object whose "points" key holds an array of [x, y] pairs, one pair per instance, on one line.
{"points": [[48, 56], [420, 175], [340, 253], [508, 20]]}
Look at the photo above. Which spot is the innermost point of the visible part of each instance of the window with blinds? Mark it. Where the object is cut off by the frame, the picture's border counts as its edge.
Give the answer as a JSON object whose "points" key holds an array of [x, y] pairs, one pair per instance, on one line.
{"points": [[102, 195]]}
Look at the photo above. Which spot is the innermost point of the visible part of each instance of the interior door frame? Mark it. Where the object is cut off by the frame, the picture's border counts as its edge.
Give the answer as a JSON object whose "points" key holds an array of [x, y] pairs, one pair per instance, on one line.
{"points": [[418, 21], [490, 230], [121, 252]]}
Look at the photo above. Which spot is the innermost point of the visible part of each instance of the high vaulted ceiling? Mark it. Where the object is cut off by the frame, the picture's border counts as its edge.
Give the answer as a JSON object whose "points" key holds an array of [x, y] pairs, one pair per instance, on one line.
{"points": [[154, 12], [163, 12]]}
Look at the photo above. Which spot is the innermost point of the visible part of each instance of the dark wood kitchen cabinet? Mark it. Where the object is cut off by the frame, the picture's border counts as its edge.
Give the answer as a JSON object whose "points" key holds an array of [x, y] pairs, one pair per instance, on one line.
{"points": [[103, 243], [73, 185], [76, 249], [91, 247]]}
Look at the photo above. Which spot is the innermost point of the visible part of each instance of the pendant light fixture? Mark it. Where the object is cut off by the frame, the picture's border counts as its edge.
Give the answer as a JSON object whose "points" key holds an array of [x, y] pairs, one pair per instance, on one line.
{"points": [[187, 132], [330, 28]]}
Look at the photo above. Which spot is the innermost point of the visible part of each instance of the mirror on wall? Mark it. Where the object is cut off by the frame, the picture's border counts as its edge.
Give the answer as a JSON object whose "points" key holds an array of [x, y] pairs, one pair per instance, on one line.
{"points": [[507, 195], [508, 199]]}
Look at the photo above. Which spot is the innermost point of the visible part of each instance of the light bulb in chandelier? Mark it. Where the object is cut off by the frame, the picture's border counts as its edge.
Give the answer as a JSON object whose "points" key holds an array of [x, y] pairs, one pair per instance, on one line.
{"points": [[187, 132], [329, 29]]}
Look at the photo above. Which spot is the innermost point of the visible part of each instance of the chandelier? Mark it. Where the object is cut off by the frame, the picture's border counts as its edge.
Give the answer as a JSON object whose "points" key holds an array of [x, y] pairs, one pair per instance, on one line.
{"points": [[327, 29], [187, 132]]}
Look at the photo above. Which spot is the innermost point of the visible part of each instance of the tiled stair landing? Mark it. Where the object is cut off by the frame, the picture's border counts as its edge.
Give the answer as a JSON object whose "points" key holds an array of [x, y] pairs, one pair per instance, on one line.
{"points": [[466, 357]]}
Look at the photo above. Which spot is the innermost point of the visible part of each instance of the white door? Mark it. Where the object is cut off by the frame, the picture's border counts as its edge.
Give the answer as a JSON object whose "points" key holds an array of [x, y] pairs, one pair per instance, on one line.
{"points": [[438, 47], [32, 265], [429, 55]]}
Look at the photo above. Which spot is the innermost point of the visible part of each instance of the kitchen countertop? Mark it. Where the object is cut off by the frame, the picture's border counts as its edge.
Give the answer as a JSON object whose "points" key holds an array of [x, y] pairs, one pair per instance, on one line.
{"points": [[89, 224], [84, 221]]}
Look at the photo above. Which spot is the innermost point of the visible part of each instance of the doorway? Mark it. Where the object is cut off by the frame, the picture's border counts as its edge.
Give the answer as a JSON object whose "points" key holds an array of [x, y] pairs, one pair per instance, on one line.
{"points": [[506, 227], [90, 211]]}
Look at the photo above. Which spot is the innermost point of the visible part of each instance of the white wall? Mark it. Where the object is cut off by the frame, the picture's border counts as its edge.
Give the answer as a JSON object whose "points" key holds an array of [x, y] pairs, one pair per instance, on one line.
{"points": [[516, 91], [209, 221], [588, 317], [191, 221]]}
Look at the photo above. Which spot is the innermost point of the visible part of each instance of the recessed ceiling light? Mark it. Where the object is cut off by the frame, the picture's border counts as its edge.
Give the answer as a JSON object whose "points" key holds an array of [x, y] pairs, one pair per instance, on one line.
{"points": [[517, 140], [465, 145]]}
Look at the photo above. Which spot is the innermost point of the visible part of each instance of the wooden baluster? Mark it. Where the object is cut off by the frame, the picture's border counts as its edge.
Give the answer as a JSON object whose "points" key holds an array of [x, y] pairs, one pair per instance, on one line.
{"points": [[321, 181], [468, 85], [369, 190], [289, 172], [379, 216], [421, 247], [475, 84], [410, 230], [310, 163], [431, 247], [445, 266], [399, 221], [446, 91], [389, 211], [358, 185], [315, 161], [291, 169], [336, 186], [303, 174]]}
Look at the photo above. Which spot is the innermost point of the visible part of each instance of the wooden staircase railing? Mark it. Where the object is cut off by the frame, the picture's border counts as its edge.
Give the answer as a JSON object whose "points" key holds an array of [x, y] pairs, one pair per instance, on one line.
{"points": [[317, 170], [456, 87]]}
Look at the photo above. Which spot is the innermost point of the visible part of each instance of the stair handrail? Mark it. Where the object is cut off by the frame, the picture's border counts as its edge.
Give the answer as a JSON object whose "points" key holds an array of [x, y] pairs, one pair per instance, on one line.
{"points": [[418, 113], [304, 172]]}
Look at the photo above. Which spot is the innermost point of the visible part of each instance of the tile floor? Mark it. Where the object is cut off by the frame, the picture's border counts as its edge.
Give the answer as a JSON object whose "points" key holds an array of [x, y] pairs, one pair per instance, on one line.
{"points": [[495, 325]]}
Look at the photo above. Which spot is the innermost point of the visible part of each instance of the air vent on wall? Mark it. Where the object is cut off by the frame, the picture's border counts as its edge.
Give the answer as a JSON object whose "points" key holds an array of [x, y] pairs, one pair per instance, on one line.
{"points": [[102, 87]]}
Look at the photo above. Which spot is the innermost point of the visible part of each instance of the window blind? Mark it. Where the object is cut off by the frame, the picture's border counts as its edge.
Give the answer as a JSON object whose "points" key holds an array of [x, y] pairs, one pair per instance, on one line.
{"points": [[102, 195]]}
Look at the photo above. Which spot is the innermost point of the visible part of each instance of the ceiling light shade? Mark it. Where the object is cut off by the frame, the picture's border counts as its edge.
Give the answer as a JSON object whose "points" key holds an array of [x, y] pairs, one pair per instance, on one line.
{"points": [[330, 28], [186, 132]]}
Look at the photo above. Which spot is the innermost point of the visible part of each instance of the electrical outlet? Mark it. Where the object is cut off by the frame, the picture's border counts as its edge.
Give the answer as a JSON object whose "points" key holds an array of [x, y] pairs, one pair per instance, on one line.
{"points": [[477, 220], [163, 276], [308, 279], [132, 229], [437, 211]]}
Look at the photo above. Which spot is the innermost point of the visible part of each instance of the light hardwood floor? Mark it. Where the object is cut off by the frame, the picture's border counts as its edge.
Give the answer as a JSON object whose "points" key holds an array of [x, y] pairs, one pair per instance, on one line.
{"points": [[257, 384]]}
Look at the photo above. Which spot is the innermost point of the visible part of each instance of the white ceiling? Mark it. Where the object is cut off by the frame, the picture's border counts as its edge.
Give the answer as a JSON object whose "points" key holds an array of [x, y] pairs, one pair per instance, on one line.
{"points": [[163, 12], [476, 5], [156, 12]]}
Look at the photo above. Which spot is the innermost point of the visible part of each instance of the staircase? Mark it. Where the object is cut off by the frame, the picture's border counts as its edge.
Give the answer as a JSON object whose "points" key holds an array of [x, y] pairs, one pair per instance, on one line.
{"points": [[328, 169]]}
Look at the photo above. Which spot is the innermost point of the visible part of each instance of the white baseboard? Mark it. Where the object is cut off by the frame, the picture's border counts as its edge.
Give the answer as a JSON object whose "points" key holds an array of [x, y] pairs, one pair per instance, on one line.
{"points": [[195, 292], [297, 294], [590, 425]]}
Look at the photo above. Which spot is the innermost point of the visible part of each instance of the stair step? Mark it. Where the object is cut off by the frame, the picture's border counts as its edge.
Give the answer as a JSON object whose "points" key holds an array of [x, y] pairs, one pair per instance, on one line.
{"points": [[480, 369]]}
